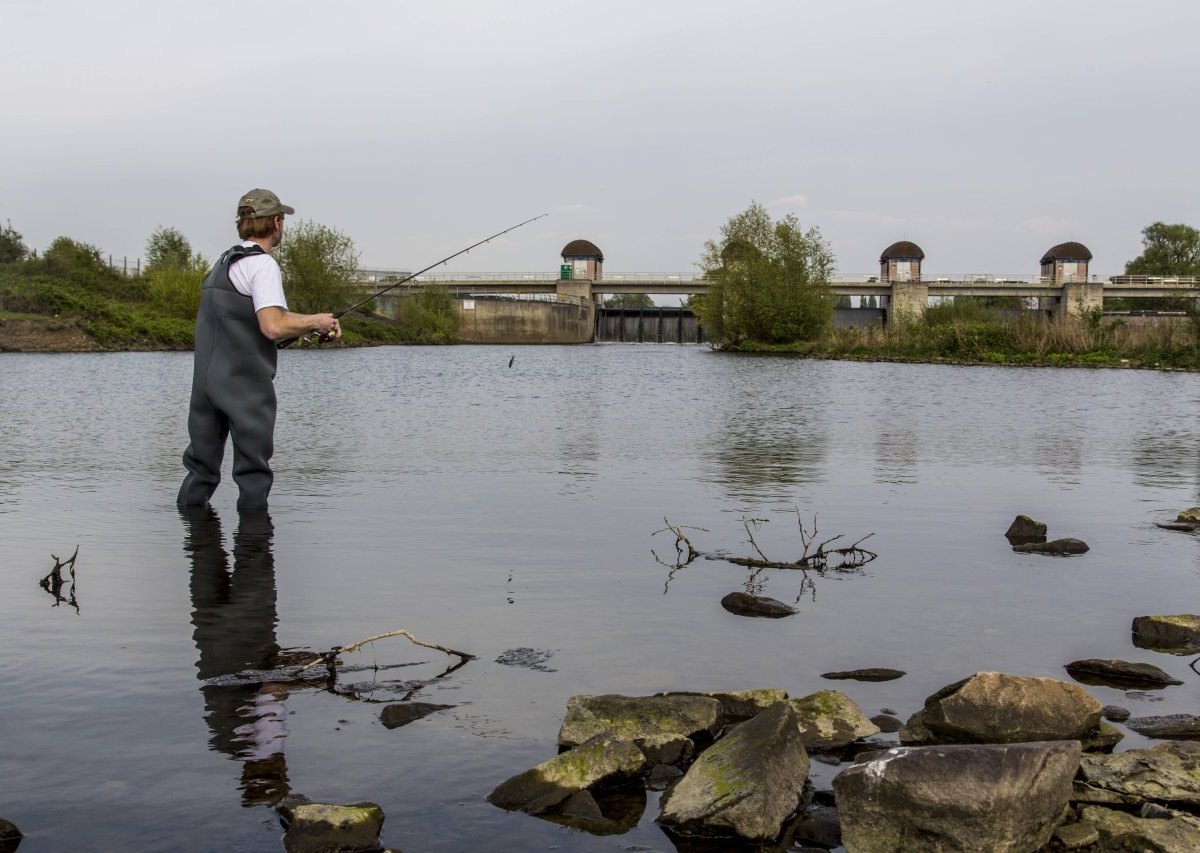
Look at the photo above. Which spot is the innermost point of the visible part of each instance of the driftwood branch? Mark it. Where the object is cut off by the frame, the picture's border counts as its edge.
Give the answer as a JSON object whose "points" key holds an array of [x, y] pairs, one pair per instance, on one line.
{"points": [[330, 658]]}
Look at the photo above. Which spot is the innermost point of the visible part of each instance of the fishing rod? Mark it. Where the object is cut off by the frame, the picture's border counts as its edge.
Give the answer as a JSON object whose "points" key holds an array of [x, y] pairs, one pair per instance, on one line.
{"points": [[339, 314]]}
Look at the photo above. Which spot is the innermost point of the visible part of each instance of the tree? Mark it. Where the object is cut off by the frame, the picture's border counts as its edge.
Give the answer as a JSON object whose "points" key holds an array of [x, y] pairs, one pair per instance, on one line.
{"points": [[843, 302], [319, 265], [629, 300], [12, 245], [1167, 250], [167, 248], [769, 281]]}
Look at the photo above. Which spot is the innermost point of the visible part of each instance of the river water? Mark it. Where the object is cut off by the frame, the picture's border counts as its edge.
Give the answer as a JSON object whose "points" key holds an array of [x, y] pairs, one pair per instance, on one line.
{"points": [[507, 510]]}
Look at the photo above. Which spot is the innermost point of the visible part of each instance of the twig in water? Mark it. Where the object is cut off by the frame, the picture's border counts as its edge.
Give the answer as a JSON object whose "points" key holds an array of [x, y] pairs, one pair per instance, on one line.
{"points": [[680, 540], [330, 658], [746, 522]]}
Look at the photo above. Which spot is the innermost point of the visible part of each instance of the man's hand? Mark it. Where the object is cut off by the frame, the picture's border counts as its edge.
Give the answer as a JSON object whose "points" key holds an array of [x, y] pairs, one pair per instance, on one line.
{"points": [[277, 324]]}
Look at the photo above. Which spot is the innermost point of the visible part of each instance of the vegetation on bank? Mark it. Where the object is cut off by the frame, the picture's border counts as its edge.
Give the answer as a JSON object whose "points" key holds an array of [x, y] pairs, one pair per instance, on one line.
{"points": [[69, 283], [961, 332], [771, 293]]}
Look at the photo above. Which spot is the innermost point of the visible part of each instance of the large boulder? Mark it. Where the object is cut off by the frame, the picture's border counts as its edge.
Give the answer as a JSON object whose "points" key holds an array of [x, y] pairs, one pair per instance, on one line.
{"points": [[1192, 515], [942, 798], [1179, 634], [602, 760], [634, 717], [331, 827], [748, 783], [1167, 773], [991, 707], [829, 719], [1120, 830]]}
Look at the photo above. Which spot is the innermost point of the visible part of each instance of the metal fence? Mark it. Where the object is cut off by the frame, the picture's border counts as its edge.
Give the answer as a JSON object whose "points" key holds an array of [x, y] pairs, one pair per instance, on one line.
{"points": [[125, 266]]}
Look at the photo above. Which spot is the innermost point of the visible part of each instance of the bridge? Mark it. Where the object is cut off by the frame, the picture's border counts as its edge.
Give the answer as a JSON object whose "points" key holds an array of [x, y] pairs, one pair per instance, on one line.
{"points": [[1069, 294]]}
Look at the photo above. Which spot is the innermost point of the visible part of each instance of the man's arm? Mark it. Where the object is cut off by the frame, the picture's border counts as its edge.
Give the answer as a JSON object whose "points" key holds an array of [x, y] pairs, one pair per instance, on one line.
{"points": [[276, 324]]}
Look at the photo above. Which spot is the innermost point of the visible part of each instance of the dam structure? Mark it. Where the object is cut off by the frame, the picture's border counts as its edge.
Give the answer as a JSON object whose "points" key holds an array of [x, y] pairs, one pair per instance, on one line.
{"points": [[567, 306]]}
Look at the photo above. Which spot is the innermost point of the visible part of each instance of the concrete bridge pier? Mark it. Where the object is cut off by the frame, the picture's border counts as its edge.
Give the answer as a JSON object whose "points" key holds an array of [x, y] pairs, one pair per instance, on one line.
{"points": [[908, 301], [1079, 297]]}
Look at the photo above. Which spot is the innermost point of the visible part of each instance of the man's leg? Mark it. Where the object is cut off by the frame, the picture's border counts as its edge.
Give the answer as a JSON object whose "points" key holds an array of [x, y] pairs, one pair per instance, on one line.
{"points": [[253, 432], [208, 429]]}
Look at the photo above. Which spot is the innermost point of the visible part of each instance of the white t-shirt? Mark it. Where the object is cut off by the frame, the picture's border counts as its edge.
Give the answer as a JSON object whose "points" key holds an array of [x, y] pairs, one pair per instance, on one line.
{"points": [[259, 277]]}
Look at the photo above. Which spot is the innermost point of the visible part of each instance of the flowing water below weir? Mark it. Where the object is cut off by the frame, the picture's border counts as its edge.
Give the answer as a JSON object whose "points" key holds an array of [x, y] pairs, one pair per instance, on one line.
{"points": [[508, 512]]}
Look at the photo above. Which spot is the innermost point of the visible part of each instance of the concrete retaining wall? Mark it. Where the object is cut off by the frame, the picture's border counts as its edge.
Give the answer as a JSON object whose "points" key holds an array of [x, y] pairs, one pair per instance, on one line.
{"points": [[524, 321]]}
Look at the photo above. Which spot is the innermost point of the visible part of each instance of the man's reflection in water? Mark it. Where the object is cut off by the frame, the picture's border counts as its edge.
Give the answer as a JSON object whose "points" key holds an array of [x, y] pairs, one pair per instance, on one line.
{"points": [[234, 617]]}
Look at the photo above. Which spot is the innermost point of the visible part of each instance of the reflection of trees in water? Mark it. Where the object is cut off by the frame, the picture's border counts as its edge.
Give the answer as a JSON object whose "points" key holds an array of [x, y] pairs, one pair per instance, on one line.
{"points": [[1167, 459], [896, 455], [234, 619], [758, 454]]}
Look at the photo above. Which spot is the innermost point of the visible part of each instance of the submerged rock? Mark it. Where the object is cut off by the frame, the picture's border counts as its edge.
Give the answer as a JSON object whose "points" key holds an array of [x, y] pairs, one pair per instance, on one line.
{"points": [[331, 827], [10, 836], [972, 797], [1178, 634], [829, 719], [634, 717], [611, 812], [869, 674], [991, 707], [601, 760], [1024, 530], [1167, 773], [1119, 830], [747, 783], [745, 604], [1103, 738], [887, 723], [1170, 727], [1119, 673], [1192, 515], [820, 825], [1057, 548], [402, 713], [1182, 527]]}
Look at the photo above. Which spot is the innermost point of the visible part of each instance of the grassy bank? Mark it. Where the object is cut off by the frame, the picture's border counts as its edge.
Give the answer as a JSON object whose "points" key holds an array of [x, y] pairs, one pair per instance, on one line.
{"points": [[69, 299], [965, 334]]}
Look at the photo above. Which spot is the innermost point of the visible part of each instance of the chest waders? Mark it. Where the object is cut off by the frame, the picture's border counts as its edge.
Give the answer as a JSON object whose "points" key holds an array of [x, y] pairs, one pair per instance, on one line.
{"points": [[233, 393]]}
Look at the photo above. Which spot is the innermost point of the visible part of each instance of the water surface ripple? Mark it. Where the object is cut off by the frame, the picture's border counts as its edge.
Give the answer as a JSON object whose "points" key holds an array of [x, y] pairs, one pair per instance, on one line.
{"points": [[500, 509]]}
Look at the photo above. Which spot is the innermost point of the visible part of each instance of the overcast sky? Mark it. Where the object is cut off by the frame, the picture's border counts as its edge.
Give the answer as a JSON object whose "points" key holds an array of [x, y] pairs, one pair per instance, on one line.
{"points": [[984, 131]]}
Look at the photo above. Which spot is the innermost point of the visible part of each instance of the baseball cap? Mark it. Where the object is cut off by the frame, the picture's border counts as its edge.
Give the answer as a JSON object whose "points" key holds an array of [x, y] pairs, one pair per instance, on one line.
{"points": [[263, 203]]}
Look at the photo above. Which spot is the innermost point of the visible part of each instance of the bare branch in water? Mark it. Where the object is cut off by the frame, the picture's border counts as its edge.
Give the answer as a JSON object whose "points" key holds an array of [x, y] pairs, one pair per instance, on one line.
{"points": [[746, 522], [53, 582], [330, 658], [816, 554], [680, 540]]}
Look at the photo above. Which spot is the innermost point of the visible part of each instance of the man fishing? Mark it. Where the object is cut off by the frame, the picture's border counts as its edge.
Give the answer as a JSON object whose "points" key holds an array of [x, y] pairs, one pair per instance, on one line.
{"points": [[242, 314]]}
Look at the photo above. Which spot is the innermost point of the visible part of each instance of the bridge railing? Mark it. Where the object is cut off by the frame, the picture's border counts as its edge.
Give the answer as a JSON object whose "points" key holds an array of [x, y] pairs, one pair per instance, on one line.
{"points": [[384, 276]]}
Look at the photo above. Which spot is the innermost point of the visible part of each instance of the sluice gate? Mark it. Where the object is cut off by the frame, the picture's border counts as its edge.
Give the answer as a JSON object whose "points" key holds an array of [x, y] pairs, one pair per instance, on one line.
{"points": [[657, 325]]}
